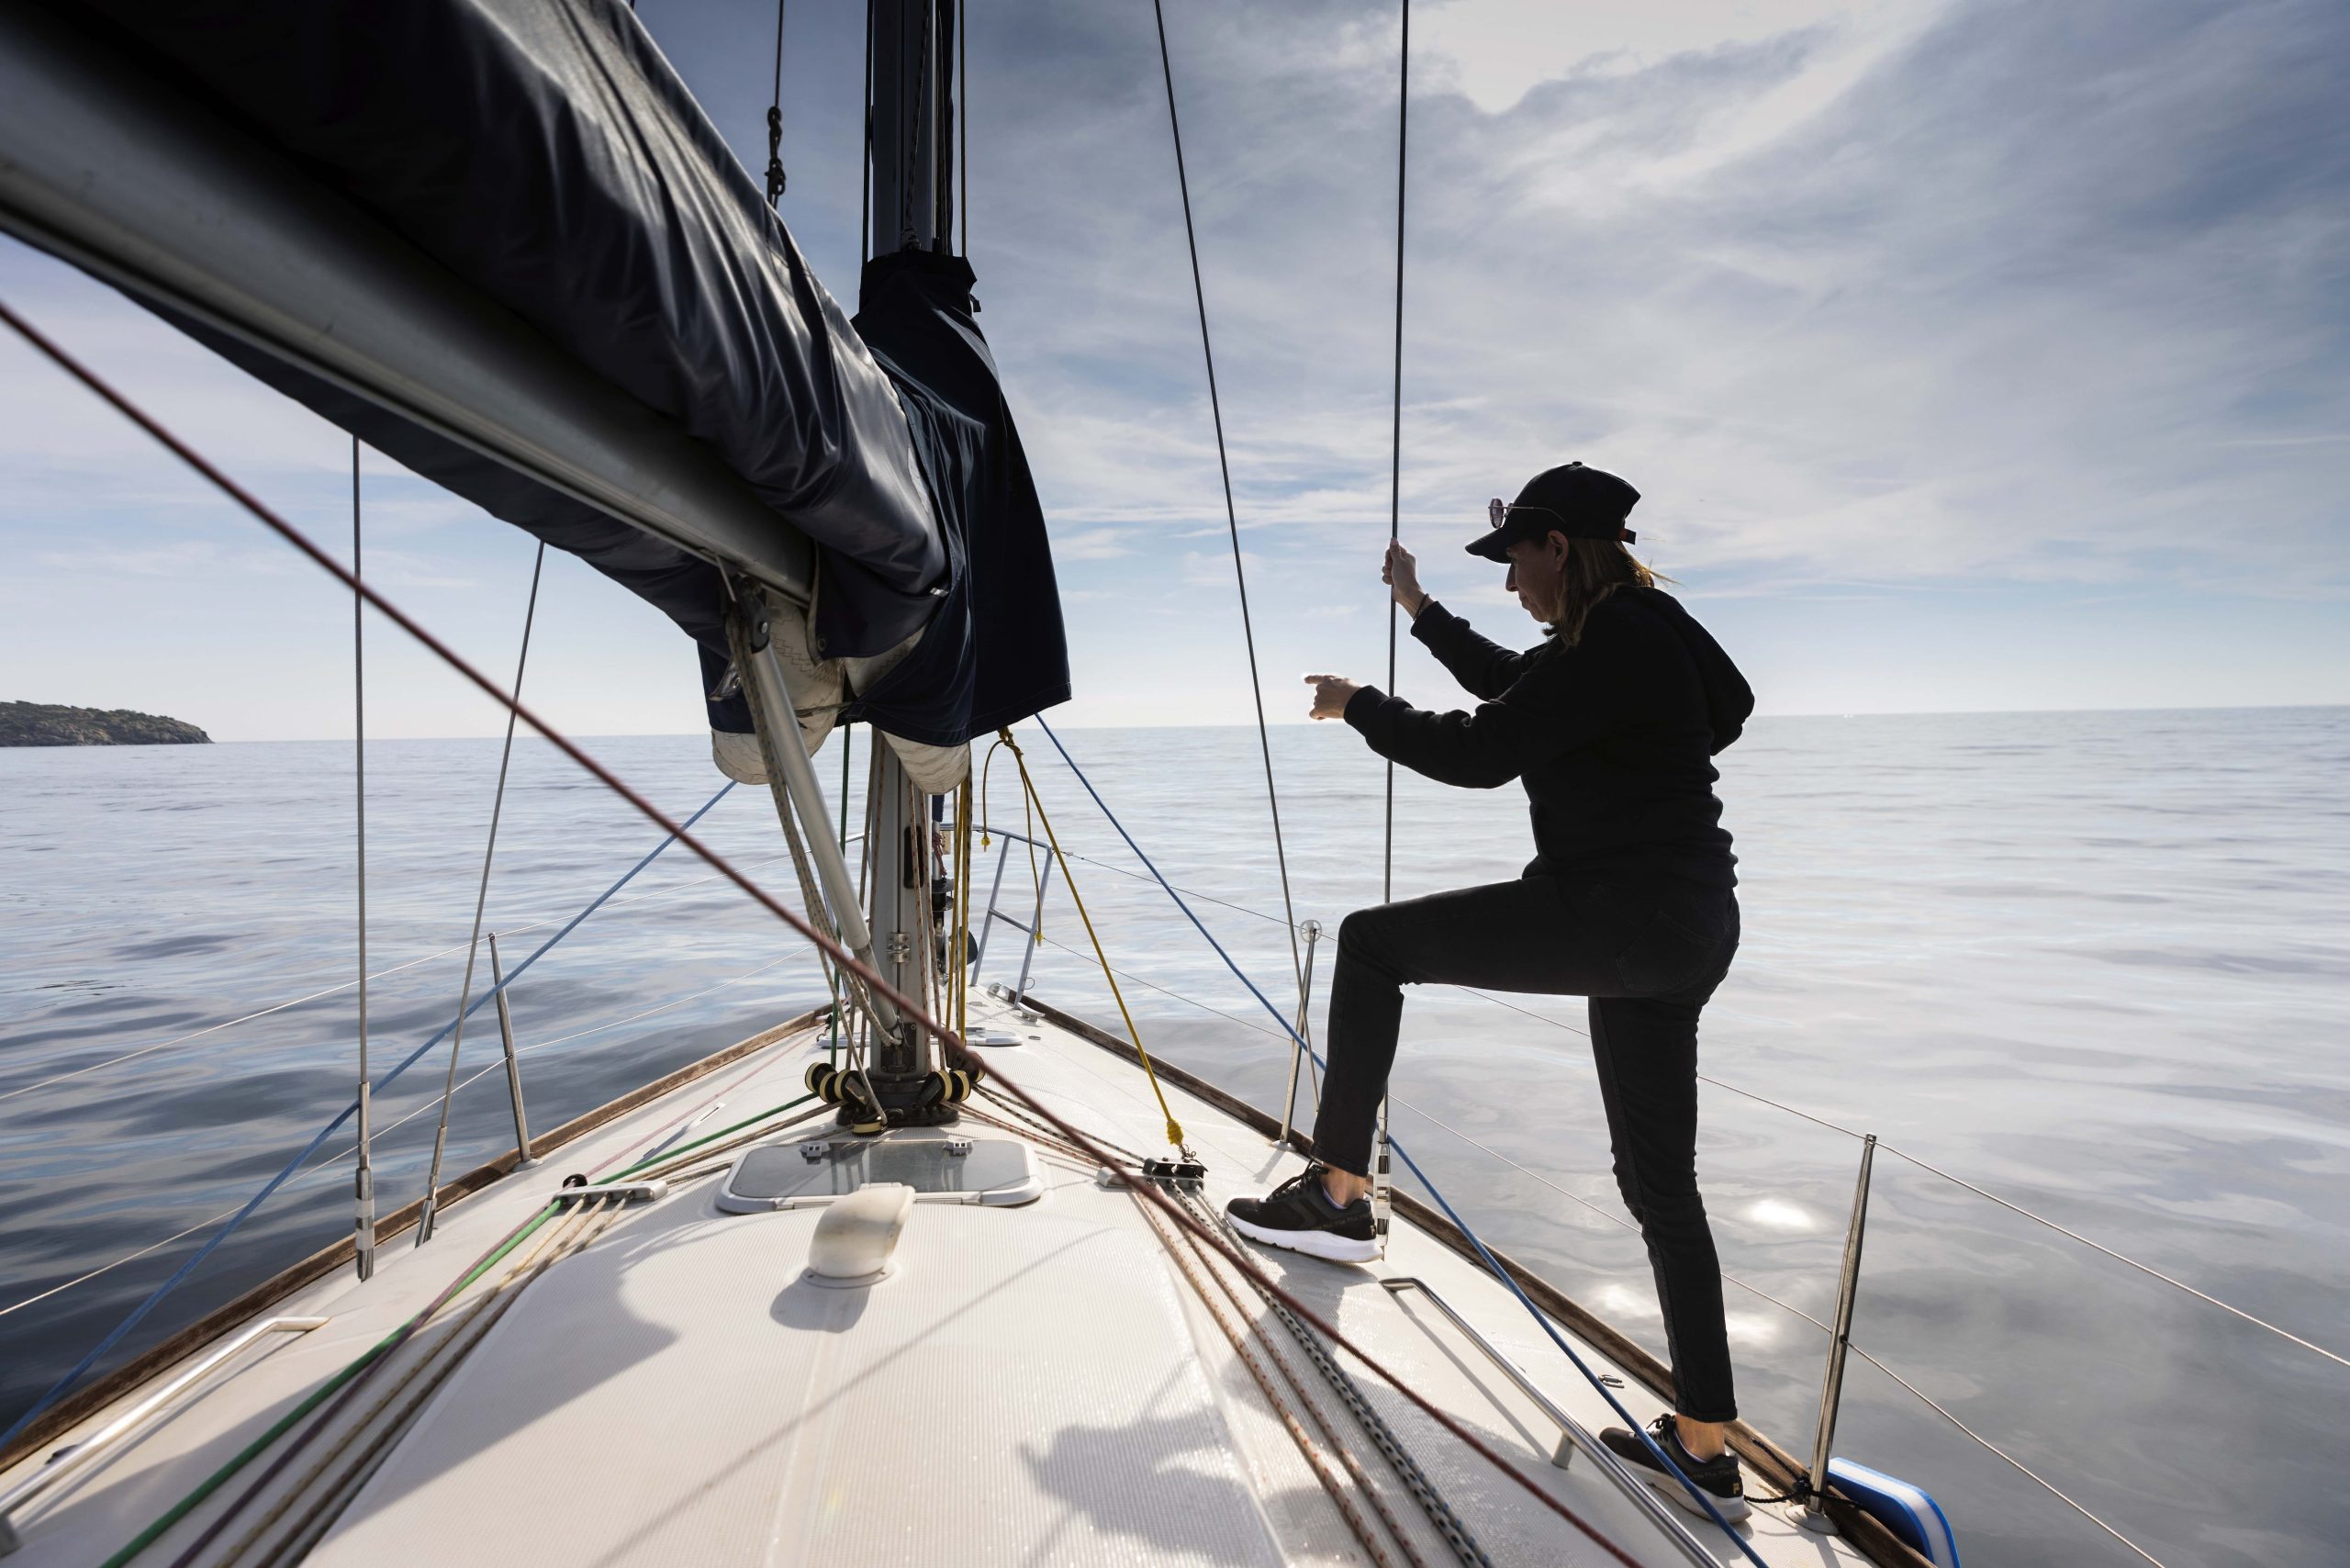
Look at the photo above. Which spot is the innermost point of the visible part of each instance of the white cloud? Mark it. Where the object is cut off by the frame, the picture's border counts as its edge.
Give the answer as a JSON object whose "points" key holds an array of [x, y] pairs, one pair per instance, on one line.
{"points": [[1493, 51], [1870, 297], [1089, 544]]}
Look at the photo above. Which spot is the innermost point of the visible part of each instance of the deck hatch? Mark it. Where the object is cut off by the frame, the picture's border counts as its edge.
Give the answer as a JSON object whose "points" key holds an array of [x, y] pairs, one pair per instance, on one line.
{"points": [[994, 1172]]}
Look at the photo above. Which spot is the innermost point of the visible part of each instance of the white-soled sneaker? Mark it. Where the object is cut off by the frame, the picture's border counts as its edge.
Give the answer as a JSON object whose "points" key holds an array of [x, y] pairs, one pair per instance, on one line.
{"points": [[1298, 1215], [1718, 1477]]}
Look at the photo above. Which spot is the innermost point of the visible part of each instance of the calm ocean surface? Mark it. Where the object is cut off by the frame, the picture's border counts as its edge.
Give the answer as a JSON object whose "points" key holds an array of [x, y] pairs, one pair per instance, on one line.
{"points": [[2096, 963]]}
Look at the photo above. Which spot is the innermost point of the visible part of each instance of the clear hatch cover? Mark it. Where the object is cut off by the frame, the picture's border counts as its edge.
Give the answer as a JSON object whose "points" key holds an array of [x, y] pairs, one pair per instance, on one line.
{"points": [[994, 1172]]}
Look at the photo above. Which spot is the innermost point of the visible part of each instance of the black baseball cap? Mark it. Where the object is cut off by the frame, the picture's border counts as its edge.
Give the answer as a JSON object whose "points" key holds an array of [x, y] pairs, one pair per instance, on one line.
{"points": [[1580, 502]]}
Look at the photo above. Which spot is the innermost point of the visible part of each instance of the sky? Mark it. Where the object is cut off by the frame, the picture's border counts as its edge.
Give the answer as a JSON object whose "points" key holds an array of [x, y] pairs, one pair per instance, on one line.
{"points": [[1969, 355]]}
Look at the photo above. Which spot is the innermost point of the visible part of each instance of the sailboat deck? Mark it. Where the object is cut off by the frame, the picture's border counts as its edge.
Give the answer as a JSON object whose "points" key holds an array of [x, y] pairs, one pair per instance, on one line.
{"points": [[1040, 1384]]}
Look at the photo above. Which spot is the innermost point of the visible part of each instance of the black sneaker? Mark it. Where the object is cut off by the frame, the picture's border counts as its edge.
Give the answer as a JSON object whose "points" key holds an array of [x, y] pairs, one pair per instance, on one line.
{"points": [[1716, 1477], [1299, 1215]]}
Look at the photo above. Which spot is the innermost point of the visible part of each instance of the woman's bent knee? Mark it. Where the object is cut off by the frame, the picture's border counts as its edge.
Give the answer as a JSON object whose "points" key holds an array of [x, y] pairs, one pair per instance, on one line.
{"points": [[1365, 938]]}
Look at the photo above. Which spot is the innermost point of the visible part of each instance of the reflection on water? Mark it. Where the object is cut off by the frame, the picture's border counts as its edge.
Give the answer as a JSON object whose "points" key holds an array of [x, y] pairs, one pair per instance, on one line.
{"points": [[2094, 962]]}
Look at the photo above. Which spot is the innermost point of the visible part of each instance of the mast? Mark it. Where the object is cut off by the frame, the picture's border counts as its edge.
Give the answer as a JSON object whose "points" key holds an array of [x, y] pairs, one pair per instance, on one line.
{"points": [[911, 116], [913, 124]]}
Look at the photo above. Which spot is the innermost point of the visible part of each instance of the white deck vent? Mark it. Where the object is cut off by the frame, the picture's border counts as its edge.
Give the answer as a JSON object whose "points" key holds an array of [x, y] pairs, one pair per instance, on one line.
{"points": [[858, 1235]]}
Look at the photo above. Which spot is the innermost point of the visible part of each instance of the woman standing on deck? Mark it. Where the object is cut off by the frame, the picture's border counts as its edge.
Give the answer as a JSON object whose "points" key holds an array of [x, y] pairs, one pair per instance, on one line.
{"points": [[1611, 725]]}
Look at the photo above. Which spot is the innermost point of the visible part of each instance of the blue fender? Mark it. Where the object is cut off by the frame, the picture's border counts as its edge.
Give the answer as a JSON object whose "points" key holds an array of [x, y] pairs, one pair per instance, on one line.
{"points": [[1908, 1510]]}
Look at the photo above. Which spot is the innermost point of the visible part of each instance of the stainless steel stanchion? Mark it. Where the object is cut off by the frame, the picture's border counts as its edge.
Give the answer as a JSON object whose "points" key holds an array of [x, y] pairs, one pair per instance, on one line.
{"points": [[1840, 1341], [524, 1158], [1311, 931]]}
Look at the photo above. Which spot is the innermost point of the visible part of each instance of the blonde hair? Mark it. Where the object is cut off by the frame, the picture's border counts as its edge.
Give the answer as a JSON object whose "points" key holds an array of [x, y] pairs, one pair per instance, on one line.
{"points": [[1594, 569]]}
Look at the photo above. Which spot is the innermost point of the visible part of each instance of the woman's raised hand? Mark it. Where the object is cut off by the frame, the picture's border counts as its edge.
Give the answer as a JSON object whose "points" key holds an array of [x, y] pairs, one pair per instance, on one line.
{"points": [[1400, 572], [1331, 693]]}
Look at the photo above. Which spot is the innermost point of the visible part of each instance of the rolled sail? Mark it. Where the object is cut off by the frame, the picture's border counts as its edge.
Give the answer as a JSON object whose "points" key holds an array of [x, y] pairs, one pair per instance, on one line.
{"points": [[551, 161]]}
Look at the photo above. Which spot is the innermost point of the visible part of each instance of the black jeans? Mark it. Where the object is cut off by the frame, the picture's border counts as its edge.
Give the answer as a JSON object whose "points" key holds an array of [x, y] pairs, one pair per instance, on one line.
{"points": [[1648, 954]]}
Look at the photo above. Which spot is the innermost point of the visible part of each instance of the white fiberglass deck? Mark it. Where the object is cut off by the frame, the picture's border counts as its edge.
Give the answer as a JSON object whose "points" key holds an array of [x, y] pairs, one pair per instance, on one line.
{"points": [[1033, 1384]]}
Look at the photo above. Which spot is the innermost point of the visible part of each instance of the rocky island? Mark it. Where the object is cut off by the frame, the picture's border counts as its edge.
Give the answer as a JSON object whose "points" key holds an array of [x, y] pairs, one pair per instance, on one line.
{"points": [[49, 724]]}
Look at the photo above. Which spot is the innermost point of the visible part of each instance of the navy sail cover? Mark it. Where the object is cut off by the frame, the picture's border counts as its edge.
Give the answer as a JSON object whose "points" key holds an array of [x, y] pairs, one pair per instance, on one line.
{"points": [[549, 156]]}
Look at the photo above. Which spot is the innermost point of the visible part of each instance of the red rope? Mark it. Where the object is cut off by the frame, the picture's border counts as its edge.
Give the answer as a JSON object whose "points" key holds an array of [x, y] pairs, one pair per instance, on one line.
{"points": [[718, 863]]}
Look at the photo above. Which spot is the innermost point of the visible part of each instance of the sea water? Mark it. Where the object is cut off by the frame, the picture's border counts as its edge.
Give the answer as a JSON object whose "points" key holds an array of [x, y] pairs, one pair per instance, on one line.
{"points": [[2096, 964]]}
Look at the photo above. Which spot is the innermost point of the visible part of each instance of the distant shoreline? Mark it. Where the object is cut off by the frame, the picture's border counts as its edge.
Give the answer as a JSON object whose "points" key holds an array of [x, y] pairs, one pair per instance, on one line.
{"points": [[54, 724], [192, 735]]}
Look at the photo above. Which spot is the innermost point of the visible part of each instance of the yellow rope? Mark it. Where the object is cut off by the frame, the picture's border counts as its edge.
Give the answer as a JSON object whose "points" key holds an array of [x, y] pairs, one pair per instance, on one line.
{"points": [[1174, 1127]]}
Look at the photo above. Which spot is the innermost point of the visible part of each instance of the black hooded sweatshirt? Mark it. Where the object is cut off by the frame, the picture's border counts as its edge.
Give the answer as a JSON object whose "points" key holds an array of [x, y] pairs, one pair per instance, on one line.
{"points": [[1613, 737]]}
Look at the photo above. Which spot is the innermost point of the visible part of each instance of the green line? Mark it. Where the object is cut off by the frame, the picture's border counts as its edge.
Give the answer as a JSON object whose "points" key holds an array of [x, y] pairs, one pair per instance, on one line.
{"points": [[668, 1154], [219, 1477], [244, 1456]]}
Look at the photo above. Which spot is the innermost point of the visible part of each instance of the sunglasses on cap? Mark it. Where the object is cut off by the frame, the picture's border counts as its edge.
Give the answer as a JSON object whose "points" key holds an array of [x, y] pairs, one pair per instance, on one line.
{"points": [[1497, 513]]}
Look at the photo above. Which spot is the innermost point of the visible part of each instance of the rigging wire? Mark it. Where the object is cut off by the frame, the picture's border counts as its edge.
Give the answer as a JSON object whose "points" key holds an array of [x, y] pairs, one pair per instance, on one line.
{"points": [[1395, 437], [1751, 1289], [1290, 1029], [463, 1084], [363, 1181], [1729, 1278], [1231, 517], [388, 970], [481, 899], [138, 1314], [1984, 1192], [680, 832], [1288, 1033]]}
